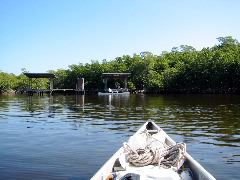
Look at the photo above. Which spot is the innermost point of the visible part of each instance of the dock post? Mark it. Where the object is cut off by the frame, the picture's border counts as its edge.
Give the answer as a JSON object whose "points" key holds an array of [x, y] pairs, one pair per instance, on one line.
{"points": [[80, 86]]}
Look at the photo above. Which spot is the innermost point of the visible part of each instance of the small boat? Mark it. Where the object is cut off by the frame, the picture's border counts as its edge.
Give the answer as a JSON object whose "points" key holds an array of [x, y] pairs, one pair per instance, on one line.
{"points": [[114, 92], [149, 154]]}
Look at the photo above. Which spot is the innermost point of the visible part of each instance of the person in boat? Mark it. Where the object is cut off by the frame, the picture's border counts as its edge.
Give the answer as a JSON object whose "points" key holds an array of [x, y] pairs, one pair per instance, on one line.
{"points": [[117, 85]]}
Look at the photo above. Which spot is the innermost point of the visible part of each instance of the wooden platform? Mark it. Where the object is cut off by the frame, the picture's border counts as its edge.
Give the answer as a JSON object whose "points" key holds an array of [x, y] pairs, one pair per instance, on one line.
{"points": [[53, 91]]}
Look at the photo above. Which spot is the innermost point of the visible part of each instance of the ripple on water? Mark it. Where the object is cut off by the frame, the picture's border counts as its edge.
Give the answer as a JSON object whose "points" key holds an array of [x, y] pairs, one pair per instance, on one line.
{"points": [[69, 136]]}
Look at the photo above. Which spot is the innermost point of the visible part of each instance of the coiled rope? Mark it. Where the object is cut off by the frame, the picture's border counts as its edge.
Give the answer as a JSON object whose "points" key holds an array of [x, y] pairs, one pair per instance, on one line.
{"points": [[165, 156]]}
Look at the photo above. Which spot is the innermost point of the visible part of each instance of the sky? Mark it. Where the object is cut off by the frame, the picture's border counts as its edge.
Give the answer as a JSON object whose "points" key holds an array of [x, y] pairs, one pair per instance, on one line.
{"points": [[42, 35]]}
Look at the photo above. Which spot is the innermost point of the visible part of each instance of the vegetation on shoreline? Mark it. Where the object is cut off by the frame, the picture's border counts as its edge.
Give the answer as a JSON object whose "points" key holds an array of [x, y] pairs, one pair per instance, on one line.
{"points": [[183, 70]]}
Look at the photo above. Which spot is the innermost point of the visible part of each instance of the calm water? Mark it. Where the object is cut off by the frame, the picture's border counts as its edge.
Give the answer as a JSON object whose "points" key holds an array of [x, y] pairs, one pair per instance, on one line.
{"points": [[70, 137]]}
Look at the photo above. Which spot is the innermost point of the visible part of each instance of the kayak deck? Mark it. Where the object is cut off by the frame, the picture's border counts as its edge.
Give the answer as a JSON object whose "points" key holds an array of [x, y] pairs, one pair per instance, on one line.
{"points": [[117, 167]]}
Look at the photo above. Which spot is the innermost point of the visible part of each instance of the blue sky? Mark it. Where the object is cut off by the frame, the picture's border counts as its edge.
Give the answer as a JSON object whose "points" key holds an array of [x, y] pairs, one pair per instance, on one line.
{"points": [[42, 35]]}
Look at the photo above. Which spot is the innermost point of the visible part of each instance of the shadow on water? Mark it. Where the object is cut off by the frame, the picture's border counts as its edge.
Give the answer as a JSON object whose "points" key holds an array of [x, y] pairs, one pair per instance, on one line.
{"points": [[71, 136]]}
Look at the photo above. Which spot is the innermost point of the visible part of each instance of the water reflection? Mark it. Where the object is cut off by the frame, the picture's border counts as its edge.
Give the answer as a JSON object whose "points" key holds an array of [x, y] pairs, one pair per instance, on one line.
{"points": [[99, 124], [188, 116], [80, 100]]}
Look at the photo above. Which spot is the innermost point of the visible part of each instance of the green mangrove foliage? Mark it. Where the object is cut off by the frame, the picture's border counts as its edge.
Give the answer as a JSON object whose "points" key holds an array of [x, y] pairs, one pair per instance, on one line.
{"points": [[184, 69], [11, 82], [7, 81]]}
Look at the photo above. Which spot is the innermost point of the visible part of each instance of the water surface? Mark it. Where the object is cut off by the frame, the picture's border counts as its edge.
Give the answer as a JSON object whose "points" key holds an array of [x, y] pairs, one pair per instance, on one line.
{"points": [[70, 137]]}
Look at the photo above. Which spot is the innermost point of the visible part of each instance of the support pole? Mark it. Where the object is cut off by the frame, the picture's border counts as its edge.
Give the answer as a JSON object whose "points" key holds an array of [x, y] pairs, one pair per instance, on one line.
{"points": [[125, 83], [105, 83], [51, 83], [82, 84]]}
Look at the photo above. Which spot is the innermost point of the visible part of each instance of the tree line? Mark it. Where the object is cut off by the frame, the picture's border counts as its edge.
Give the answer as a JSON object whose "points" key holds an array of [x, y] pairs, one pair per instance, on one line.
{"points": [[182, 70]]}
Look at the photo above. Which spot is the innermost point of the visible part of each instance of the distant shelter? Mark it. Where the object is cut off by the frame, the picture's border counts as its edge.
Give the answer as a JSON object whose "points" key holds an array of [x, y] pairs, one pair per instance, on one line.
{"points": [[34, 76], [121, 76], [106, 77]]}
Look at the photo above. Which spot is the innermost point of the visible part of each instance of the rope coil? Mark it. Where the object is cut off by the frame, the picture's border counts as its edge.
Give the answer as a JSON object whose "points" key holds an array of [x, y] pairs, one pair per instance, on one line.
{"points": [[165, 156]]}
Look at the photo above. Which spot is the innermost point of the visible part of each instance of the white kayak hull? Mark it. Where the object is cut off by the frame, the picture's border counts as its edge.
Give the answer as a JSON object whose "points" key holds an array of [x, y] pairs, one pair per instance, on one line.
{"points": [[197, 170]]}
